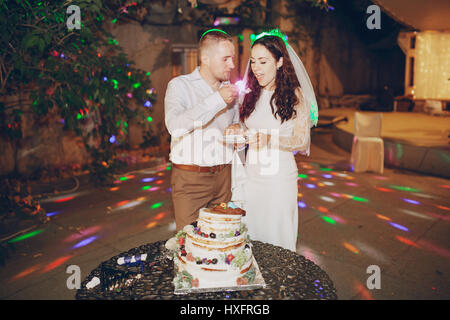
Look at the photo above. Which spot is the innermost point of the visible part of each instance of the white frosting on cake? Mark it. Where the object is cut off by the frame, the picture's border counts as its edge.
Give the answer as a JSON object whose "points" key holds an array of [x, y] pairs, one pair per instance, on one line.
{"points": [[230, 242]]}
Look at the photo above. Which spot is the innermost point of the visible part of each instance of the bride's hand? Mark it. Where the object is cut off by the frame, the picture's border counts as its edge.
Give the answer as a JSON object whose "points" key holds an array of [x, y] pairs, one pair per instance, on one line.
{"points": [[234, 129], [259, 140]]}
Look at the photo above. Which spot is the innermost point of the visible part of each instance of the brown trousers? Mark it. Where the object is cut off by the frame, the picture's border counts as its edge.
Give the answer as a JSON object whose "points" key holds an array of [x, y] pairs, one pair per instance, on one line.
{"points": [[192, 191]]}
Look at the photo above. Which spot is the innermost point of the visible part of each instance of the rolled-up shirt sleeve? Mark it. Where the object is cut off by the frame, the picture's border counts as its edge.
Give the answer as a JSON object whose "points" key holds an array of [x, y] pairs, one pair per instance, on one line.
{"points": [[180, 116]]}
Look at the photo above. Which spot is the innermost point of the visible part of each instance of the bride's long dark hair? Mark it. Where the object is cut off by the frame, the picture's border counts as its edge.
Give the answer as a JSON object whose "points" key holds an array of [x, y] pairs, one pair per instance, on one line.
{"points": [[285, 80]]}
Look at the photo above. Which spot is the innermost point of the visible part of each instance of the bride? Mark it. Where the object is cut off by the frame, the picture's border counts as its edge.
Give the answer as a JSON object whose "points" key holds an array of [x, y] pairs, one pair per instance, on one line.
{"points": [[276, 115]]}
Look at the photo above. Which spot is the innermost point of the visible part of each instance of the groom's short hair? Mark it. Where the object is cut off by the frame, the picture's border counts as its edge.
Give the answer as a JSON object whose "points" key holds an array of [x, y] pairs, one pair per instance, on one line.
{"points": [[212, 37]]}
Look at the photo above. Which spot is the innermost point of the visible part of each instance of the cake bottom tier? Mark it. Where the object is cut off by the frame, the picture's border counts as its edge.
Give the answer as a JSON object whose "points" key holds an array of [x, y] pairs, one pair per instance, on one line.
{"points": [[189, 275]]}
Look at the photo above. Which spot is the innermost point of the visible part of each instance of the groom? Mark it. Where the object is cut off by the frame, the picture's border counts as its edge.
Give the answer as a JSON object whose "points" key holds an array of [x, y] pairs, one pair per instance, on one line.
{"points": [[198, 108]]}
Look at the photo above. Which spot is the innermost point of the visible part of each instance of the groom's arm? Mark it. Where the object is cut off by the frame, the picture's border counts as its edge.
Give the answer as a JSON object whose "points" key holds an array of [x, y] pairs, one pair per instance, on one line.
{"points": [[180, 115]]}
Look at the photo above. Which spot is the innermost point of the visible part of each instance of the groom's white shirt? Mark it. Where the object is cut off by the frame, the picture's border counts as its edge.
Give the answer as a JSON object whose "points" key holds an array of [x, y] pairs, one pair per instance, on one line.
{"points": [[195, 118]]}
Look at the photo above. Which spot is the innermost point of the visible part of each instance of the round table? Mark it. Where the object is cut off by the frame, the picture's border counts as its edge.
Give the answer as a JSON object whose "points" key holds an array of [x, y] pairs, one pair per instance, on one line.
{"points": [[288, 276]]}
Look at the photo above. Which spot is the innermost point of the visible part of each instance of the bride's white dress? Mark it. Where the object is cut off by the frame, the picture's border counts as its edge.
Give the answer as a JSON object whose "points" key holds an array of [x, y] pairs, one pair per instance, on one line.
{"points": [[270, 189]]}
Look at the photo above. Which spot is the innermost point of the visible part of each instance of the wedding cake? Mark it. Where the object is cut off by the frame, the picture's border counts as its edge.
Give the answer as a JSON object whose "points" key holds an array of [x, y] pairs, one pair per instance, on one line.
{"points": [[214, 251]]}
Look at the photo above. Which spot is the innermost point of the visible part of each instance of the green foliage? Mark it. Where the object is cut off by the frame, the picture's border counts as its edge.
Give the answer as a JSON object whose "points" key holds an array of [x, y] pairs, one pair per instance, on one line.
{"points": [[83, 73], [239, 258]]}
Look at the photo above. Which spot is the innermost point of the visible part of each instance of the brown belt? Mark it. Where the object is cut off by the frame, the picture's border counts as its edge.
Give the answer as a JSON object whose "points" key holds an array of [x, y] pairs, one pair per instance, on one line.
{"points": [[195, 168]]}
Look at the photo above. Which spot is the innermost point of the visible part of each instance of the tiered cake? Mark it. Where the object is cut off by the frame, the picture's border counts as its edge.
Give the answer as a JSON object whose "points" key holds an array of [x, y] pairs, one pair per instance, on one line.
{"points": [[215, 250]]}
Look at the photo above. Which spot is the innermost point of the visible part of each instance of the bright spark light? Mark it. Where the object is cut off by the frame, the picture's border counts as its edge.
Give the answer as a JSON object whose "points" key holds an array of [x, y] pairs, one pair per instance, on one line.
{"points": [[85, 242], [407, 242], [351, 248], [411, 201], [26, 236], [156, 205], [55, 264], [327, 199], [301, 204], [82, 233], [54, 213], [398, 226], [416, 214]]}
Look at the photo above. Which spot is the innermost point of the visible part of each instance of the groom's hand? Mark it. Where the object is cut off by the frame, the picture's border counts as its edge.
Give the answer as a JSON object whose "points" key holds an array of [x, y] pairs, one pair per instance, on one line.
{"points": [[229, 93]]}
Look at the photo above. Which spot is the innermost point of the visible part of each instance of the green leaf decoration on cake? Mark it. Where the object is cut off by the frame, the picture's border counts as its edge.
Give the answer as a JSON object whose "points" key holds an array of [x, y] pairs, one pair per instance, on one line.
{"points": [[183, 280], [181, 234], [230, 234], [243, 228], [239, 258], [250, 275]]}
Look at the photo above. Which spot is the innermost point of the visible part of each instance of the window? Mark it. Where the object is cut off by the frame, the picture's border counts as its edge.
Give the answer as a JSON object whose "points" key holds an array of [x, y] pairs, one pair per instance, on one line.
{"points": [[184, 59]]}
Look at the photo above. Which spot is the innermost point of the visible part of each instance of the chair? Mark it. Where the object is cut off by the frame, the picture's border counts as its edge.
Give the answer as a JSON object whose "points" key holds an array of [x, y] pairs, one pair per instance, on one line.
{"points": [[368, 146]]}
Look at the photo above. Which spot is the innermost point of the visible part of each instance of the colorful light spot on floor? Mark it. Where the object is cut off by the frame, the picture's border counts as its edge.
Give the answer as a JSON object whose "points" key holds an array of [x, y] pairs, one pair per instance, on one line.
{"points": [[64, 199], [327, 176], [154, 189], [151, 224], [299, 195], [55, 264], [351, 184], [434, 248], [84, 242], [380, 178], [303, 176], [160, 174], [337, 218], [26, 272], [82, 233], [328, 183], [334, 194], [322, 209], [168, 168], [54, 213], [122, 203], [416, 214], [384, 189], [301, 204], [156, 205], [442, 207], [114, 189], [310, 186], [146, 187], [401, 188], [407, 241], [383, 217], [326, 169], [398, 226], [148, 179], [359, 199], [159, 181], [362, 291], [411, 201], [328, 219], [327, 199], [26, 236], [313, 179], [160, 215], [123, 178], [351, 248]]}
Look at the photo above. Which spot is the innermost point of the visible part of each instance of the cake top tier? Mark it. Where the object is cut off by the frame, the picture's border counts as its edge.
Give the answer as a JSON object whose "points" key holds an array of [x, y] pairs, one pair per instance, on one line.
{"points": [[226, 208]]}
